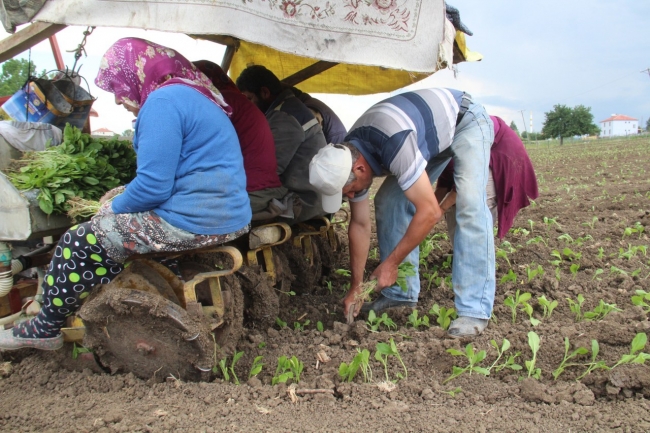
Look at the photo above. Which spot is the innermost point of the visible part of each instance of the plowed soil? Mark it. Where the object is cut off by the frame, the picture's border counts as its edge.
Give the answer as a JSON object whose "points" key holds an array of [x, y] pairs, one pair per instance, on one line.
{"points": [[593, 212]]}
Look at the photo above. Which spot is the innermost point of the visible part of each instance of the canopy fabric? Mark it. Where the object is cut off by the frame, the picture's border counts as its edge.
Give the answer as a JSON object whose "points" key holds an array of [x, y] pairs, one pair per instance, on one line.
{"points": [[394, 34], [342, 78]]}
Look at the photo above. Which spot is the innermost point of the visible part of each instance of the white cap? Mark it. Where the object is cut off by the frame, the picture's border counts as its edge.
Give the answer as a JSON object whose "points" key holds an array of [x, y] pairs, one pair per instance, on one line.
{"points": [[329, 170]]}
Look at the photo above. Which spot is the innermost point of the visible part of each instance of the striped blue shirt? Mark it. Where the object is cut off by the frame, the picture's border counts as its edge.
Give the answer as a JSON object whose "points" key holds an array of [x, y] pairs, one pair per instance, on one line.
{"points": [[401, 134]]}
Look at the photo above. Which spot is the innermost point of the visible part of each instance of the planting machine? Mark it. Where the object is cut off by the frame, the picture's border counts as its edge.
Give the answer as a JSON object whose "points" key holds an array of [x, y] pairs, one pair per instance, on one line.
{"points": [[158, 323]]}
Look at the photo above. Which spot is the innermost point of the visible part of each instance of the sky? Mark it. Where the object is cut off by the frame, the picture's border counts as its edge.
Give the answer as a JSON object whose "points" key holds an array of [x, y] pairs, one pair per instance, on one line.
{"points": [[536, 54]]}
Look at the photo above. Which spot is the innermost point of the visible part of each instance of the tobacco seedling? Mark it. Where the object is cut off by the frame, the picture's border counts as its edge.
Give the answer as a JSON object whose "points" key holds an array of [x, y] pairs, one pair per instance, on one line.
{"points": [[528, 309], [547, 306], [432, 278], [566, 238], [447, 263], [601, 253], [510, 277], [533, 272], [416, 321], [638, 344], [329, 286], [570, 254], [405, 269], [282, 372], [319, 326], [256, 368], [617, 271], [592, 223], [536, 240], [473, 359], [443, 315], [501, 254], [550, 221], [347, 372], [642, 299], [509, 362], [281, 323], [224, 369], [567, 357], [533, 342], [374, 322], [531, 223], [576, 307], [601, 310], [384, 350], [78, 350], [343, 272], [598, 272], [574, 269], [297, 326], [235, 358], [593, 365], [374, 254], [453, 392], [514, 303]]}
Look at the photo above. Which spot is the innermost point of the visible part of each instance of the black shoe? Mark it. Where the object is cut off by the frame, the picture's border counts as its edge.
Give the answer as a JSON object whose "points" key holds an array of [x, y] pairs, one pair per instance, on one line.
{"points": [[383, 303]]}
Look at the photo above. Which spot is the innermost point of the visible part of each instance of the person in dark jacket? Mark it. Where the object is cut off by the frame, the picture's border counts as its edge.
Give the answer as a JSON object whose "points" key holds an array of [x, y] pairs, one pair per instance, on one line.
{"points": [[333, 128], [256, 140], [297, 134]]}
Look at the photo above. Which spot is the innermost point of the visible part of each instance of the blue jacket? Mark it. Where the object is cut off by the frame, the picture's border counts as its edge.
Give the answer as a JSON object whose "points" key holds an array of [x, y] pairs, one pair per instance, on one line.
{"points": [[190, 167]]}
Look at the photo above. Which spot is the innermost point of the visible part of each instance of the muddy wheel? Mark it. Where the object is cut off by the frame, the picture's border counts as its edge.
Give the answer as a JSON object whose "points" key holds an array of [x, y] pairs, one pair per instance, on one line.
{"points": [[329, 259], [261, 303], [306, 275], [228, 334], [143, 333]]}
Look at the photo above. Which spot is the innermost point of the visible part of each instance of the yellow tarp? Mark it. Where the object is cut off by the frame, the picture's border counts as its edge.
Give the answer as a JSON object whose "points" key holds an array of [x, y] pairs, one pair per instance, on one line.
{"points": [[341, 79]]}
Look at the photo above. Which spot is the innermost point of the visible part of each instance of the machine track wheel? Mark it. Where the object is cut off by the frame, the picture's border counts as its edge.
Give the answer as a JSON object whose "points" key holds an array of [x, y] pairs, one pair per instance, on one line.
{"points": [[261, 303], [146, 334], [227, 335], [306, 274]]}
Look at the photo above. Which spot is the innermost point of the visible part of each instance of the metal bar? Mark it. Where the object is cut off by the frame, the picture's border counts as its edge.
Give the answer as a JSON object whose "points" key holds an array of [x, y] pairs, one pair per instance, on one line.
{"points": [[56, 51], [308, 72], [228, 56], [26, 38]]}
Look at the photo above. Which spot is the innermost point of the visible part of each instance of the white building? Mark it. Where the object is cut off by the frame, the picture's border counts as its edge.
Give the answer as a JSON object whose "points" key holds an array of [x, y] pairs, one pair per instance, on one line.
{"points": [[619, 125]]}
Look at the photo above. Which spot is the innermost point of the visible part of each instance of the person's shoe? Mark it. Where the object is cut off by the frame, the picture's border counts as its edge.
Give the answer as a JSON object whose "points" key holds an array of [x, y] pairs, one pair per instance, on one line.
{"points": [[467, 327], [383, 303], [9, 342]]}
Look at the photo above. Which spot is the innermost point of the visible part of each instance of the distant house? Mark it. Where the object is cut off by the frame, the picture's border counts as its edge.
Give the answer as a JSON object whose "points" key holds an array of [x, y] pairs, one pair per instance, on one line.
{"points": [[619, 125], [103, 132]]}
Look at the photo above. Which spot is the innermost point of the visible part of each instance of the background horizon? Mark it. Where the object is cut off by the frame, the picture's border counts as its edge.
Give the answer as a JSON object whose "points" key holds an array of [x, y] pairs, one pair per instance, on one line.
{"points": [[587, 52]]}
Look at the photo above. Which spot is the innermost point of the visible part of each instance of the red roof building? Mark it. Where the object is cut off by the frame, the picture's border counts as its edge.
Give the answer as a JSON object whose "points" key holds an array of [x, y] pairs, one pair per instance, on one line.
{"points": [[619, 125]]}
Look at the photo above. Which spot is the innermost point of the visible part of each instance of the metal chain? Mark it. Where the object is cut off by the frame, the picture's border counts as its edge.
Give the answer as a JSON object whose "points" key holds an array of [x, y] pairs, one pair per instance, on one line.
{"points": [[81, 48]]}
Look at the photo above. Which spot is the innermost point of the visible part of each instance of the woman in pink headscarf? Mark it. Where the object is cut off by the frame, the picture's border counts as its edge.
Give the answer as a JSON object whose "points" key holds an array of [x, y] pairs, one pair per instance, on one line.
{"points": [[189, 190]]}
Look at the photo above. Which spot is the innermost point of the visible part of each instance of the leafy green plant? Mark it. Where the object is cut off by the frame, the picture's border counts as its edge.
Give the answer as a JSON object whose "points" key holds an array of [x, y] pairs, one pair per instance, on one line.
{"points": [[532, 272], [329, 286], [600, 311], [360, 361], [257, 366], [574, 269], [601, 253], [374, 321], [592, 223], [297, 326], [510, 360], [373, 254], [547, 306], [576, 307], [528, 309], [642, 299], [446, 264], [416, 322], [236, 357], [281, 323], [533, 342], [566, 238], [224, 369], [596, 273], [594, 364], [78, 350], [571, 255], [514, 303], [319, 326], [432, 278], [473, 359], [536, 240], [617, 271], [443, 315], [568, 357], [510, 277], [453, 392], [384, 351], [635, 356], [405, 269], [288, 368], [502, 254], [343, 272], [550, 221]]}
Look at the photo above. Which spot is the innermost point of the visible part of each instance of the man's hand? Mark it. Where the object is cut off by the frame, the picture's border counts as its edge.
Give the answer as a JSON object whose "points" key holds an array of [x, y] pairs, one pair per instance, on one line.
{"points": [[386, 275], [352, 302]]}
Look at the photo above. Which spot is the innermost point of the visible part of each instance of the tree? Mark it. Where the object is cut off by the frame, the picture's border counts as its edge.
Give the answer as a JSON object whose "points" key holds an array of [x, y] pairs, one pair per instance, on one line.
{"points": [[14, 75], [565, 121], [647, 125], [513, 126], [128, 133]]}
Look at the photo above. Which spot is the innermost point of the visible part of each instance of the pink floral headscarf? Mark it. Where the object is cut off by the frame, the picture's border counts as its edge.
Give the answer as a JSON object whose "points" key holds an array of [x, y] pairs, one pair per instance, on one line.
{"points": [[132, 68]]}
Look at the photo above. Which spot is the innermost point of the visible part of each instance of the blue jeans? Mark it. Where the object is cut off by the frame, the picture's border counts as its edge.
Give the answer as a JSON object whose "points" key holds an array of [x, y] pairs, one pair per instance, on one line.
{"points": [[473, 269]]}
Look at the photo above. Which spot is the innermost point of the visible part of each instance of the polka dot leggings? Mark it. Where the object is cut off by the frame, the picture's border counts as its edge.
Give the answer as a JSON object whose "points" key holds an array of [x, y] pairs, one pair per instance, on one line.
{"points": [[79, 263]]}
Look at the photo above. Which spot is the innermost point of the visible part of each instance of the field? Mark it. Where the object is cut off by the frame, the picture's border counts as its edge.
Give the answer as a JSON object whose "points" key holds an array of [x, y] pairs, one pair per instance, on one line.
{"points": [[585, 237]]}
